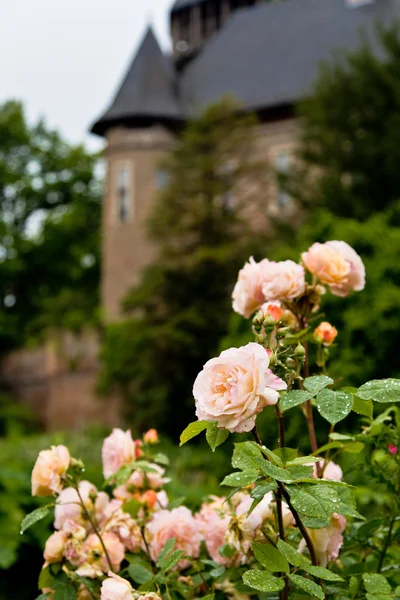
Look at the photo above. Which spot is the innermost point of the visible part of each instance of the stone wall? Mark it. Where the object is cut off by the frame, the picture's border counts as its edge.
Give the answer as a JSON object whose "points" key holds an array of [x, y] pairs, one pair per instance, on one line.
{"points": [[57, 381]]}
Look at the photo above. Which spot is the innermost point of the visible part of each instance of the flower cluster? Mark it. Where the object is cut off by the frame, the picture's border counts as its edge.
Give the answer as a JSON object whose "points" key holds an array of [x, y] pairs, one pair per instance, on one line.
{"points": [[286, 513]]}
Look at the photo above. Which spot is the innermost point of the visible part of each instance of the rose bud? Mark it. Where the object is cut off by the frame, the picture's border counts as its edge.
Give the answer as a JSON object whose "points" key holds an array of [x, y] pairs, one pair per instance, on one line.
{"points": [[393, 449], [151, 436], [325, 333], [149, 498], [138, 448]]}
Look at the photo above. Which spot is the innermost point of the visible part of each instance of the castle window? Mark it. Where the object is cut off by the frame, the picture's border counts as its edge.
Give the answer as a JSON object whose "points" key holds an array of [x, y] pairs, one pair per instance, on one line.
{"points": [[124, 208], [282, 167]]}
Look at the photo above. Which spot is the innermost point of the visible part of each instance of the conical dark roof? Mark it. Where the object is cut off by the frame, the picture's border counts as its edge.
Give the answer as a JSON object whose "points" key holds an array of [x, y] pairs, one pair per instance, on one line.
{"points": [[148, 91]]}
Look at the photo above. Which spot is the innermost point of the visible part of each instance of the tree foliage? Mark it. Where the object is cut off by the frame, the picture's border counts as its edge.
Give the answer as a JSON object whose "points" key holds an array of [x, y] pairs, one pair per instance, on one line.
{"points": [[350, 143], [206, 222], [49, 229]]}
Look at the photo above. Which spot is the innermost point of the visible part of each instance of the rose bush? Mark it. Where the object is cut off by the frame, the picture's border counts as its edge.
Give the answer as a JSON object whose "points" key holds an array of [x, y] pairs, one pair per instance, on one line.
{"points": [[288, 524]]}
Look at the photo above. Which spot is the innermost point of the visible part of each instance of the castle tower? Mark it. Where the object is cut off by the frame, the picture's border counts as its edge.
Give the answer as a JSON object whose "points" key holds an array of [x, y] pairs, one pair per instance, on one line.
{"points": [[139, 128]]}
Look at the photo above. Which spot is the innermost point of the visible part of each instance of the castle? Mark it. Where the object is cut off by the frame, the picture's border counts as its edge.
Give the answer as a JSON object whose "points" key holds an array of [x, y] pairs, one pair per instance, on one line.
{"points": [[263, 53]]}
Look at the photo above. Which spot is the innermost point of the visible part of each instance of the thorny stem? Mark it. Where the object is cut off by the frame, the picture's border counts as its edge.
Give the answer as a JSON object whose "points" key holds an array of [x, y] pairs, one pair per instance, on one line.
{"points": [[387, 544], [93, 524], [294, 512]]}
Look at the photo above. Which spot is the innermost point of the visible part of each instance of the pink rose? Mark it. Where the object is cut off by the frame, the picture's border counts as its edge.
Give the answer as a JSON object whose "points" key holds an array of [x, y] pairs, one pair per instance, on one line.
{"points": [[123, 525], [247, 295], [327, 541], [68, 505], [325, 333], [54, 548], [336, 264], [116, 588], [118, 450], [283, 281], [95, 555], [214, 520], [48, 471], [233, 388], [177, 523]]}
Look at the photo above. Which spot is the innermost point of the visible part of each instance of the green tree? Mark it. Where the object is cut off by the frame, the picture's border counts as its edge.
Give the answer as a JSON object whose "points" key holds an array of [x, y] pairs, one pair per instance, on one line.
{"points": [[49, 230], [206, 222], [350, 142]]}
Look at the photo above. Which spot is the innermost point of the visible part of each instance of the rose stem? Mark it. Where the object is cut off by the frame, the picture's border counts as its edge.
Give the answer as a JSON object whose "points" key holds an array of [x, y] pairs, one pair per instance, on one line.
{"points": [[283, 595], [91, 521], [294, 512]]}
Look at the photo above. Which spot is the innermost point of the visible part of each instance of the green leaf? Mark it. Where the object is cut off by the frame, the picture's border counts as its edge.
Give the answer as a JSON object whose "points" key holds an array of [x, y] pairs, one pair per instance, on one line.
{"points": [[247, 455], [378, 597], [192, 430], [209, 597], [166, 549], [139, 573], [262, 581], [274, 458], [318, 501], [170, 561], [270, 558], [43, 597], [217, 572], [46, 579], [161, 459], [312, 588], [292, 556], [315, 384], [354, 586], [216, 436], [64, 590], [300, 471], [380, 390], [334, 406], [287, 455], [303, 460], [353, 448], [363, 407], [293, 398], [277, 473], [34, 517], [262, 489], [240, 478], [376, 583], [322, 573], [132, 507]]}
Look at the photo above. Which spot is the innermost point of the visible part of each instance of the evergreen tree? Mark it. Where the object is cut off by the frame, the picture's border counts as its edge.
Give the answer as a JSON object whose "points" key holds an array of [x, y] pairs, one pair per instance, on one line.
{"points": [[206, 223]]}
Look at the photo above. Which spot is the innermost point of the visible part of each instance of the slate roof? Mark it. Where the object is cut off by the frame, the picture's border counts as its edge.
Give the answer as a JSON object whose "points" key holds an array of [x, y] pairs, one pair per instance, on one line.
{"points": [[265, 56], [185, 3], [149, 89], [269, 55]]}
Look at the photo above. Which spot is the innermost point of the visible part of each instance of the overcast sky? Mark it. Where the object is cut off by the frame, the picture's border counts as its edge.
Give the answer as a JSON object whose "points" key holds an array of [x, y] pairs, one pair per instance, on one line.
{"points": [[65, 58]]}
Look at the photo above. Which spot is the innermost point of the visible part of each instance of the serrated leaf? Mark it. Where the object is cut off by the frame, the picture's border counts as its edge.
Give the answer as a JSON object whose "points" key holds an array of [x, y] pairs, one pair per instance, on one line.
{"points": [[291, 555], [363, 407], [293, 398], [378, 597], [166, 549], [209, 597], [308, 586], [353, 447], [270, 558], [334, 406], [192, 430], [315, 384], [139, 573], [34, 517], [240, 478], [380, 390], [274, 458], [261, 490], [322, 573], [354, 586], [299, 472], [313, 523], [287, 455], [262, 581], [247, 455], [317, 501], [216, 436], [170, 561], [64, 590], [376, 583]]}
